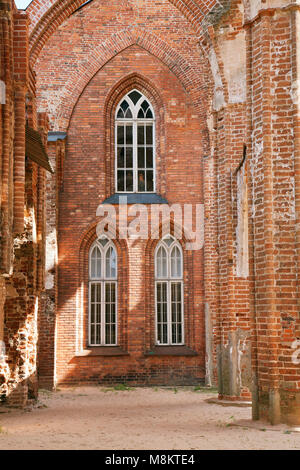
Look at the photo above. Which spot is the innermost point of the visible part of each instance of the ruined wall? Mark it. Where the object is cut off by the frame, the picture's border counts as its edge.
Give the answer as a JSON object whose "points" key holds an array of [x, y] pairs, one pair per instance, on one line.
{"points": [[271, 41], [22, 213], [228, 327]]}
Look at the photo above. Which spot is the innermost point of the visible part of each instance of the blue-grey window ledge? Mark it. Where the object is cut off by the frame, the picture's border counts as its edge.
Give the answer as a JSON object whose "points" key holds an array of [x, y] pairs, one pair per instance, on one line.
{"points": [[54, 136], [136, 198]]}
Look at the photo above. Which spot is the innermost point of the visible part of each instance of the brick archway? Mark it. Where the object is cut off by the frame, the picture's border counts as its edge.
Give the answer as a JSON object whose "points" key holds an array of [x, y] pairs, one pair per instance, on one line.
{"points": [[47, 15], [114, 46]]}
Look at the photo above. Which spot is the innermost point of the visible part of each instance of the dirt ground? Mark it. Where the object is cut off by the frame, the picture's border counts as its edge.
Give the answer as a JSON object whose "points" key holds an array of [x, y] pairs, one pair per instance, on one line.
{"points": [[136, 419]]}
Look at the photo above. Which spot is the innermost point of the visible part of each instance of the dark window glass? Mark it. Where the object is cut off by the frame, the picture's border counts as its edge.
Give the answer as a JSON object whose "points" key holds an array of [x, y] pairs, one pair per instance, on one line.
{"points": [[141, 135], [134, 96], [124, 105], [129, 180], [120, 137], [149, 181], [121, 181], [141, 157], [128, 135], [121, 157], [128, 114], [149, 157], [129, 157], [145, 105], [149, 114], [141, 180], [149, 135]]}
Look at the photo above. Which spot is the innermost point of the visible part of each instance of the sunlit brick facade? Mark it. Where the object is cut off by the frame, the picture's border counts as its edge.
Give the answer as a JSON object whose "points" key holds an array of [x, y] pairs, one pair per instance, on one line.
{"points": [[222, 79]]}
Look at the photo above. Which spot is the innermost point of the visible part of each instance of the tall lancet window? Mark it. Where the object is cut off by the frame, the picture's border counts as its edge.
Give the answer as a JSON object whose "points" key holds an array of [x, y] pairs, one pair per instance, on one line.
{"points": [[135, 144], [103, 294], [169, 292]]}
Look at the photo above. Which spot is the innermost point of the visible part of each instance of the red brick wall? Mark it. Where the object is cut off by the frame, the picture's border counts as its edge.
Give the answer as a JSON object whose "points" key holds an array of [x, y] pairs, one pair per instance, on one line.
{"points": [[87, 157], [251, 320], [22, 213], [274, 219]]}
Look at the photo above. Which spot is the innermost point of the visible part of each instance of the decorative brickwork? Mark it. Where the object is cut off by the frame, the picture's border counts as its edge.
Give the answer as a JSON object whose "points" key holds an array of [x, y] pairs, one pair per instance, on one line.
{"points": [[223, 80]]}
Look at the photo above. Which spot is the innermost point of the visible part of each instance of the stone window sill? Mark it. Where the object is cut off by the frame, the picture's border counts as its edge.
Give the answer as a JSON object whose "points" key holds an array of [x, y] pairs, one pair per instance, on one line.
{"points": [[171, 351], [102, 351], [136, 198]]}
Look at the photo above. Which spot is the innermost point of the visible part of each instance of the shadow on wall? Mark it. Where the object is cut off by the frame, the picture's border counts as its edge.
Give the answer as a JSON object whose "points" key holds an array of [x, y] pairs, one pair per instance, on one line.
{"points": [[18, 368]]}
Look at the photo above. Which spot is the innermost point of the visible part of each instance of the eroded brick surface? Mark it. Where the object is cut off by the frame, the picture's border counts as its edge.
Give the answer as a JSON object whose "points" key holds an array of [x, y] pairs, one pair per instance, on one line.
{"points": [[22, 214]]}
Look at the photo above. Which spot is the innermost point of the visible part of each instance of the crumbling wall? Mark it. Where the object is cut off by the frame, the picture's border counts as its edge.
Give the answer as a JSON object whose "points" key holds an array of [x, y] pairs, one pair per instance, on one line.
{"points": [[228, 352], [22, 214]]}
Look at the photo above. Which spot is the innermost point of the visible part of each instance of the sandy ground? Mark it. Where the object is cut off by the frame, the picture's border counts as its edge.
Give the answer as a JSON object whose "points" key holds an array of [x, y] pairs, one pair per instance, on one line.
{"points": [[136, 419]]}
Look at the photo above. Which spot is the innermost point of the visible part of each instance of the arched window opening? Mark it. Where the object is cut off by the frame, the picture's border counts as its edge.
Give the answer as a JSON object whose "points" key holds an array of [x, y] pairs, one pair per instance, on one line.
{"points": [[135, 149], [169, 292], [103, 294]]}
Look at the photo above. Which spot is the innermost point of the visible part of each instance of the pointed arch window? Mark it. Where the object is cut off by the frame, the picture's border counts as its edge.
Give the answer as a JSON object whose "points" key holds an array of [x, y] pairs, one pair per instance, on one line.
{"points": [[135, 144], [103, 294], [169, 292]]}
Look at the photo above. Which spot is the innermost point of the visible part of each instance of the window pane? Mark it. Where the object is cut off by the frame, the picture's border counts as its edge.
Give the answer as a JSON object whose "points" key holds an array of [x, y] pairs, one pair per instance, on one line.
{"points": [[141, 180], [141, 157], [161, 263], [124, 105], [140, 131], [169, 241], [129, 180], [162, 315], [121, 181], [176, 263], [149, 157], [145, 105], [128, 114], [150, 185], [95, 270], [129, 157], [176, 312], [128, 135], [95, 313], [149, 135], [120, 135], [121, 157], [111, 263], [134, 96], [149, 114], [103, 241], [110, 313]]}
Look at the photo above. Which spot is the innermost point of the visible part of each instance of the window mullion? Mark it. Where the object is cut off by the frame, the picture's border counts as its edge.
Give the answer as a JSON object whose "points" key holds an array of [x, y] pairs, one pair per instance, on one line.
{"points": [[134, 156], [169, 313], [102, 313]]}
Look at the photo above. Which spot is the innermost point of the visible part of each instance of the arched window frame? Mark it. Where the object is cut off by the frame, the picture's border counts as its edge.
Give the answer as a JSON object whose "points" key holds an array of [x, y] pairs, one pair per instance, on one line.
{"points": [[135, 121], [100, 287], [168, 281]]}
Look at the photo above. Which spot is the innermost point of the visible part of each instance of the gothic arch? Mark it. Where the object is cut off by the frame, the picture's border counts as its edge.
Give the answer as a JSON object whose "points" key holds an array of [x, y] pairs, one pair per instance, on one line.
{"points": [[47, 15], [117, 43], [133, 80], [86, 241], [172, 228]]}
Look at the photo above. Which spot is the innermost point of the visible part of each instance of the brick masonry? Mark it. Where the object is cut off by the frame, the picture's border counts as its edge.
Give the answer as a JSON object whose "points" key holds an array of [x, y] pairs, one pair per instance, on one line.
{"points": [[225, 89], [22, 214]]}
